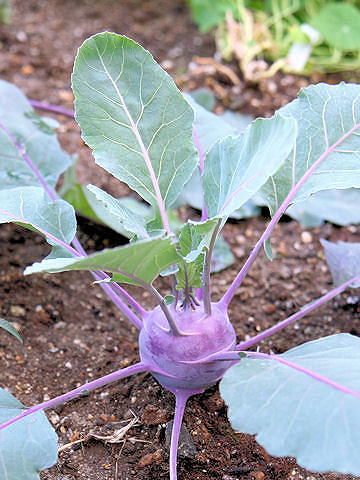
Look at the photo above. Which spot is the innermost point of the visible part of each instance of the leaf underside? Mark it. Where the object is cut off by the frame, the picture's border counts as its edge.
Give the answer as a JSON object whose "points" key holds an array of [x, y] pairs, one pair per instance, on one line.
{"points": [[344, 261]]}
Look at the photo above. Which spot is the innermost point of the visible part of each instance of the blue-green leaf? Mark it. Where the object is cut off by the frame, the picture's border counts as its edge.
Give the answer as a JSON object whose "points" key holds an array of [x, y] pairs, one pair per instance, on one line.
{"points": [[114, 213], [23, 133], [336, 206], [328, 118], [344, 261], [10, 329], [28, 445], [133, 117], [237, 167], [294, 414], [32, 207]]}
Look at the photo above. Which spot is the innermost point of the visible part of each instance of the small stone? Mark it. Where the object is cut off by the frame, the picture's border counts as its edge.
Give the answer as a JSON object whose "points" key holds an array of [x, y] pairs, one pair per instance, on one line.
{"points": [[167, 64], [54, 418], [186, 447], [306, 237], [269, 309], [66, 96], [27, 70], [257, 475], [239, 252], [151, 458], [16, 325], [17, 311], [68, 365]]}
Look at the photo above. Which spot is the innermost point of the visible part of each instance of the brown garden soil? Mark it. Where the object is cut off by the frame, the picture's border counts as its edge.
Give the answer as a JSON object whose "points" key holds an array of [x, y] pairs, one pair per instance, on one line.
{"points": [[73, 333]]}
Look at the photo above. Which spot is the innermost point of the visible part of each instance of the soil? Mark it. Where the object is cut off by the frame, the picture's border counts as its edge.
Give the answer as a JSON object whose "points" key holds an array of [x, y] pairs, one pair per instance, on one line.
{"points": [[73, 333]]}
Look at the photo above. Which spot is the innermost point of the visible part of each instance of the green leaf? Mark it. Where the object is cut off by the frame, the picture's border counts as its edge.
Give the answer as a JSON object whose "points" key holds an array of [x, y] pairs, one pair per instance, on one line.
{"points": [[339, 24], [113, 213], [237, 167], [195, 237], [10, 328], [208, 14], [32, 207], [27, 446], [133, 117], [335, 206], [296, 415], [33, 136], [343, 259], [326, 116], [144, 260]]}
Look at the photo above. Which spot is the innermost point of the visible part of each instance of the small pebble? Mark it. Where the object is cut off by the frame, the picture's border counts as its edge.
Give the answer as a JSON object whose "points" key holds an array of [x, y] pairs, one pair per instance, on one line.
{"points": [[306, 237], [269, 309], [54, 418], [257, 475], [151, 458], [17, 311]]}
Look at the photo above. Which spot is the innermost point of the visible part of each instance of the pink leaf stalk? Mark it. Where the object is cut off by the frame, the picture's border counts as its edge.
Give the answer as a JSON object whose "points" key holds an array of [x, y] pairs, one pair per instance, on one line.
{"points": [[226, 299]]}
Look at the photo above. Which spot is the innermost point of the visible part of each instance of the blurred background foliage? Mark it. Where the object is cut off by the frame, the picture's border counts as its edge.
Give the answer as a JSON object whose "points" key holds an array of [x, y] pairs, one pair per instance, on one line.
{"points": [[299, 36]]}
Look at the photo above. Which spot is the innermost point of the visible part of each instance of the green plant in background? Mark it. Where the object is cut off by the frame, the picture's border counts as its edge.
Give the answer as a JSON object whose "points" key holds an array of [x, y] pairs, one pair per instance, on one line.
{"points": [[5, 11], [299, 36]]}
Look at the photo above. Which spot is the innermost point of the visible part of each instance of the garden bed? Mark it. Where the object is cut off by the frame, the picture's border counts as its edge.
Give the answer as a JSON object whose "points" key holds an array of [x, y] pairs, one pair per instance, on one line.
{"points": [[71, 337]]}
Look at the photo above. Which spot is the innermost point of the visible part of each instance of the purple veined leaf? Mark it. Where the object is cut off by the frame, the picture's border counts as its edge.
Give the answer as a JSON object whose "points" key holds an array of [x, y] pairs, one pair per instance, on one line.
{"points": [[327, 151], [343, 259], [25, 134], [304, 403], [134, 118], [31, 207], [26, 447], [237, 167]]}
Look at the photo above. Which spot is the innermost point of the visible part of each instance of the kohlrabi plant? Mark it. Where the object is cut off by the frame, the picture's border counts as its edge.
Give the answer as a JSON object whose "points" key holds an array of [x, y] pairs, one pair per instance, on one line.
{"points": [[303, 403]]}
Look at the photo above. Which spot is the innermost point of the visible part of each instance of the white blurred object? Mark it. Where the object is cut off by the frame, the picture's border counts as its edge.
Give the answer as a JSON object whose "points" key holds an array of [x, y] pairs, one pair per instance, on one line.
{"points": [[299, 53]]}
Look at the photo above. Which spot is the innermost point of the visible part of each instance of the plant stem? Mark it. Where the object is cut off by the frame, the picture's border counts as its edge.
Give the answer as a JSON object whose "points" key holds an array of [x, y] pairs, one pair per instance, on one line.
{"points": [[207, 270], [108, 289], [226, 299], [83, 390], [204, 214], [181, 397], [52, 108], [296, 316]]}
